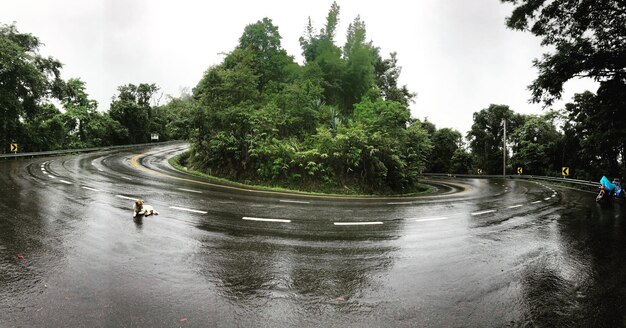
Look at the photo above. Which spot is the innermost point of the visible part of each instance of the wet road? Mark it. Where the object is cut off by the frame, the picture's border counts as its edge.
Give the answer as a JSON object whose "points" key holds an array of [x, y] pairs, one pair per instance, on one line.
{"points": [[501, 253]]}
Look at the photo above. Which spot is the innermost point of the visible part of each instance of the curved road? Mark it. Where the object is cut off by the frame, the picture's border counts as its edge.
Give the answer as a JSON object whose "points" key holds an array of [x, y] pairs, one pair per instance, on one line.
{"points": [[500, 253]]}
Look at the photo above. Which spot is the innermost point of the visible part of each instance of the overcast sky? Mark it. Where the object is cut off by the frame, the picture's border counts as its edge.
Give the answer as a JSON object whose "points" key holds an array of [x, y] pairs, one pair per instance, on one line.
{"points": [[456, 54]]}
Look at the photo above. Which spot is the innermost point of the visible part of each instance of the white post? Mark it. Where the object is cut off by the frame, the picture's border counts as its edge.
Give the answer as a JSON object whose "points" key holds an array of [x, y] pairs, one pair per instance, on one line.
{"points": [[504, 150]]}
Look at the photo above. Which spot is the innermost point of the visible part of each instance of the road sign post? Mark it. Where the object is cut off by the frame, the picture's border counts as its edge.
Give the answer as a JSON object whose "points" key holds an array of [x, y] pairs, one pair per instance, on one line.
{"points": [[14, 148]]}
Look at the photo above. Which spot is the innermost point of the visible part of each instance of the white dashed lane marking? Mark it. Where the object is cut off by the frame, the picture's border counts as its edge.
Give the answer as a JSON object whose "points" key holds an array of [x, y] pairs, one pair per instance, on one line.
{"points": [[188, 210], [430, 219], [294, 201], [126, 197], [483, 212], [66, 182], [356, 223], [88, 188], [189, 190], [515, 206], [265, 220], [547, 198], [536, 202]]}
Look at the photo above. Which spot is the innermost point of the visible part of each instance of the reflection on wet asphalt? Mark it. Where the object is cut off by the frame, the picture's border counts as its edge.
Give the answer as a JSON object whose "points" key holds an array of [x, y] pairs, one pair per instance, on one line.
{"points": [[503, 253]]}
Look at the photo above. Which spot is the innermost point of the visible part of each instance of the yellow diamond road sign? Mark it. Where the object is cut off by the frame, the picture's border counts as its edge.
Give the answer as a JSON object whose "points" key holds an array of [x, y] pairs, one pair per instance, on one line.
{"points": [[565, 171], [14, 148], [520, 170]]}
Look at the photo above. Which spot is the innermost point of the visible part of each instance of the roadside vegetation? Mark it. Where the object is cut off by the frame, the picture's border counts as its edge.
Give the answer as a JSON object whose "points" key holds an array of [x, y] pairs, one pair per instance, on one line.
{"points": [[339, 122]]}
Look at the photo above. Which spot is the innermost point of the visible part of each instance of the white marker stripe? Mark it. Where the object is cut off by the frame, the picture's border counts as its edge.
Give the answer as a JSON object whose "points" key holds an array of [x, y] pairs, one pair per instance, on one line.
{"points": [[51, 177], [294, 201], [400, 203], [552, 196], [356, 223], [127, 178], [547, 198], [430, 219], [515, 206], [265, 220], [126, 197], [187, 210], [482, 212], [100, 170], [189, 190], [92, 189], [536, 202], [66, 182]]}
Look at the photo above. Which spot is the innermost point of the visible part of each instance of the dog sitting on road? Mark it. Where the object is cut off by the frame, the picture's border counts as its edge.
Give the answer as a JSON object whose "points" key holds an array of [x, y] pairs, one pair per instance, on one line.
{"points": [[141, 209]]}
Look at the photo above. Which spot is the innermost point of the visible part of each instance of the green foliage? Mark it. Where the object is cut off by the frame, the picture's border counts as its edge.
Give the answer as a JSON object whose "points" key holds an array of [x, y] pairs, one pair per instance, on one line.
{"points": [[446, 142], [131, 108], [486, 134], [27, 82], [258, 116], [535, 146], [588, 40]]}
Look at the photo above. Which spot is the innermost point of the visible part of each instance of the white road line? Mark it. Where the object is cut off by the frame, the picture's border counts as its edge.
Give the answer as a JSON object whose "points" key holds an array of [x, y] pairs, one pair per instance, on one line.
{"points": [[188, 210], [265, 220], [536, 202], [552, 196], [51, 177], [126, 197], [515, 206], [66, 182], [430, 219], [100, 170], [294, 201], [400, 203], [88, 188], [127, 178], [189, 190], [356, 223], [483, 212], [547, 198]]}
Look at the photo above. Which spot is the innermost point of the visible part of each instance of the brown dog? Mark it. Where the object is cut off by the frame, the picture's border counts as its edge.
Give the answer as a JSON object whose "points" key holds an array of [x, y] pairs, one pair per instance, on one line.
{"points": [[141, 209]]}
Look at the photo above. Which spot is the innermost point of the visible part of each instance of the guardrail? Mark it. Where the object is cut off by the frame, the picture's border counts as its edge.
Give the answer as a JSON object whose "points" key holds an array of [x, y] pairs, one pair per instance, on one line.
{"points": [[515, 176], [83, 150]]}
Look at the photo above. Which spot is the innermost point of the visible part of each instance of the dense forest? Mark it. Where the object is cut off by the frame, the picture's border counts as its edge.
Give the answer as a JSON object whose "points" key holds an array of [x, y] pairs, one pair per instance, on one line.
{"points": [[340, 120]]}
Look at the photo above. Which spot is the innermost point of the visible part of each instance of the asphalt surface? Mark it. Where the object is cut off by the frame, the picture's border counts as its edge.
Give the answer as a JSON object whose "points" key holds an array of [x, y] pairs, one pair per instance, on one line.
{"points": [[500, 253]]}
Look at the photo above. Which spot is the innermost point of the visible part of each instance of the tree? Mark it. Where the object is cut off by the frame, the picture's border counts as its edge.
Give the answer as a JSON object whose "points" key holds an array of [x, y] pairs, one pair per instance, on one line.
{"points": [[486, 134], [269, 59], [589, 38], [596, 134], [27, 82], [387, 73], [132, 109], [79, 112], [535, 146], [446, 142]]}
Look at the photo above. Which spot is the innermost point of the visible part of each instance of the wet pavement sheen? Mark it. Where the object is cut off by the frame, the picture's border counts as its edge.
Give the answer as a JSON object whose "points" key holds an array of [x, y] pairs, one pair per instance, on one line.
{"points": [[491, 256]]}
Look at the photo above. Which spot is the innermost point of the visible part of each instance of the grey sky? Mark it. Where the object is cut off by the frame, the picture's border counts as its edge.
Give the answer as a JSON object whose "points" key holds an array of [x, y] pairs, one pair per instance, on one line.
{"points": [[456, 54]]}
